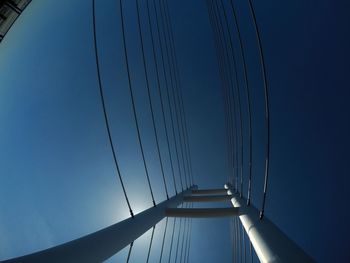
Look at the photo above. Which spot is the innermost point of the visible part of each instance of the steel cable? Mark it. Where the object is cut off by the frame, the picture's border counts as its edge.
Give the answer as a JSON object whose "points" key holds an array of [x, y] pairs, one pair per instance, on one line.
{"points": [[267, 106], [161, 251], [227, 92], [150, 97], [187, 239], [167, 22], [160, 96], [172, 84], [105, 111], [229, 46], [150, 244], [167, 94], [129, 253], [228, 80], [133, 100], [226, 104], [183, 238], [178, 240], [244, 246], [250, 131], [189, 242], [172, 240], [181, 99]]}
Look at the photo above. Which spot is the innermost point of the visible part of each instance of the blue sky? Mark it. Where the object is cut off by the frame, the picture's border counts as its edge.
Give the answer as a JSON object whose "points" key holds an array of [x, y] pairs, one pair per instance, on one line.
{"points": [[57, 177]]}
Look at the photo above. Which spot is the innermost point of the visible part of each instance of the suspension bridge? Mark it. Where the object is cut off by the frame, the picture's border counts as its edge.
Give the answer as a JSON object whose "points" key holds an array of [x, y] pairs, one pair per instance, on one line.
{"points": [[253, 235]]}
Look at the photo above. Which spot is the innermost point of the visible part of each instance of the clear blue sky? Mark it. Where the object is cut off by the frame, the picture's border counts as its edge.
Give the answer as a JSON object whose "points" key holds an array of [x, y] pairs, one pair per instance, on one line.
{"points": [[57, 178]]}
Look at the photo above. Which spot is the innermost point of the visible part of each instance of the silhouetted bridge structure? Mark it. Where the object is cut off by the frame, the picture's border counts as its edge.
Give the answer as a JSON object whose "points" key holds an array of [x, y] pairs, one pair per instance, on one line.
{"points": [[248, 222]]}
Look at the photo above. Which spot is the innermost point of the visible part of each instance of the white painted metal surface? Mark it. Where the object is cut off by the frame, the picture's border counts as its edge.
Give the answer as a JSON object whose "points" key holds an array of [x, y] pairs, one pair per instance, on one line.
{"points": [[269, 242], [101, 245]]}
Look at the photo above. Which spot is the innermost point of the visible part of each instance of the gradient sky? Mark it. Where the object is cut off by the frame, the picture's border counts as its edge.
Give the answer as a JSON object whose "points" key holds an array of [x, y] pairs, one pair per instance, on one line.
{"points": [[57, 177]]}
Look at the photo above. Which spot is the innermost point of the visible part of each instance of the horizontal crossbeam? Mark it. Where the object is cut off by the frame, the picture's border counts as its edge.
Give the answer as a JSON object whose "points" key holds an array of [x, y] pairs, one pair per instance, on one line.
{"points": [[207, 198], [201, 212], [209, 191]]}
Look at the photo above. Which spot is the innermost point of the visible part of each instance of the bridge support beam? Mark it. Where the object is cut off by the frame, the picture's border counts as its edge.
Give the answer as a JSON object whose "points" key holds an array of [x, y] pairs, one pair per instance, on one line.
{"points": [[13, 7], [207, 198], [208, 191], [201, 212], [269, 242], [103, 244]]}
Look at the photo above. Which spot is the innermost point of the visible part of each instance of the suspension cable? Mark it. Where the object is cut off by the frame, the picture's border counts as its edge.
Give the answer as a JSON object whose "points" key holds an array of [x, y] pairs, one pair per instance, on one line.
{"points": [[150, 97], [104, 109], [228, 80], [150, 243], [233, 240], [222, 45], [133, 101], [160, 96], [161, 251], [226, 105], [129, 253], [226, 88], [178, 239], [238, 239], [189, 242], [172, 84], [183, 238], [173, 88], [179, 90], [230, 44], [187, 139], [230, 85], [167, 93], [250, 131], [186, 242], [267, 106], [250, 251], [244, 246], [172, 240], [187, 237]]}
